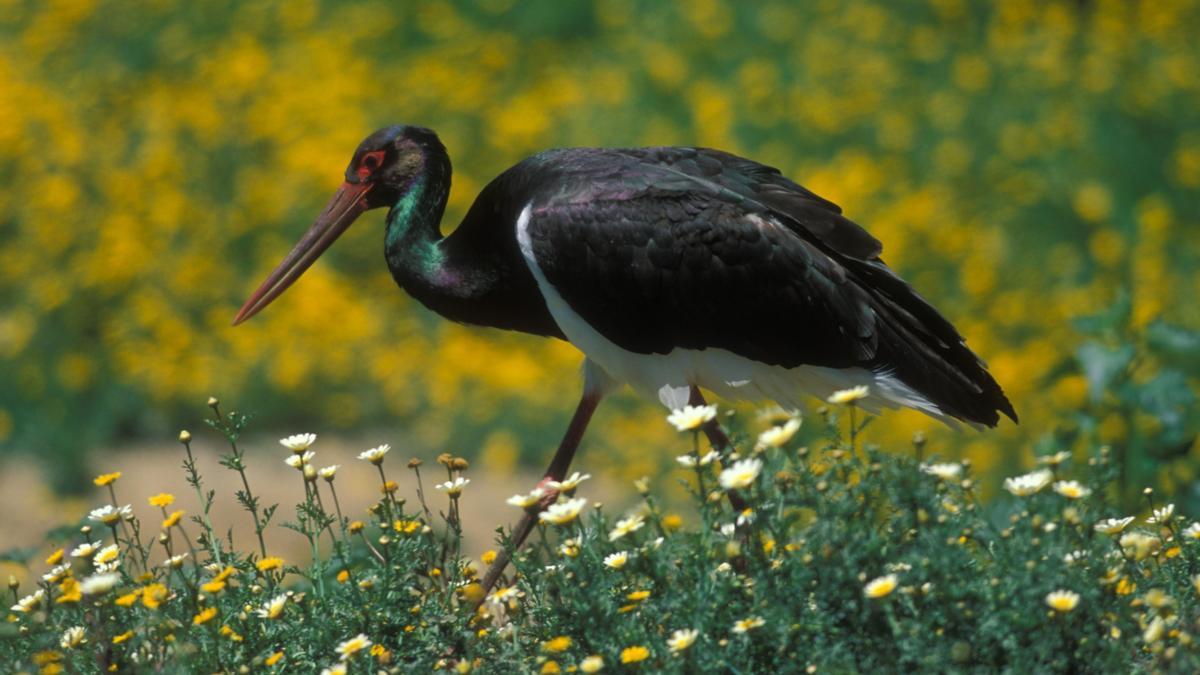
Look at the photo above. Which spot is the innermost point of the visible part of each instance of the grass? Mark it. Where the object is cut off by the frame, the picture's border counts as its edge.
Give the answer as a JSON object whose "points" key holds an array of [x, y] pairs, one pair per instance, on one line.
{"points": [[849, 559]]}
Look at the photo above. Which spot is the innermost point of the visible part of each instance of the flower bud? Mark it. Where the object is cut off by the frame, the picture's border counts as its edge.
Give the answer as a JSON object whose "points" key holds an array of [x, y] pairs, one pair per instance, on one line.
{"points": [[185, 436], [414, 463], [310, 473], [213, 402]]}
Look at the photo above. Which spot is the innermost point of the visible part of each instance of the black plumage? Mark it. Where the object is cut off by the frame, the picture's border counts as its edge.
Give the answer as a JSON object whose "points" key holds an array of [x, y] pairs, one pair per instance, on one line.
{"points": [[664, 248]]}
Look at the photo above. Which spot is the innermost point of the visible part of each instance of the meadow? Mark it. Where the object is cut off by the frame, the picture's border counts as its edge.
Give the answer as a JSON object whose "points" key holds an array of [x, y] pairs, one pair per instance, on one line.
{"points": [[1033, 168]]}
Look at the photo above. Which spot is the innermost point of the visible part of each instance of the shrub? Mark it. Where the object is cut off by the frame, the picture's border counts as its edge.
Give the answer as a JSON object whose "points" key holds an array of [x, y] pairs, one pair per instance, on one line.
{"points": [[847, 559]]}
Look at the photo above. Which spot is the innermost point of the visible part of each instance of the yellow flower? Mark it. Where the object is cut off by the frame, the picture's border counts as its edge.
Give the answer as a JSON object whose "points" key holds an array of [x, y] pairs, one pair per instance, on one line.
{"points": [[748, 624], [273, 659], [592, 664], [638, 596], [356, 526], [118, 639], [682, 639], [634, 654], [225, 573], [153, 595], [69, 591], [348, 648], [488, 557], [269, 563], [204, 616], [1062, 601], [849, 396], [172, 520], [382, 655], [107, 478], [555, 645], [162, 500], [672, 521], [343, 576], [213, 587], [55, 558], [128, 599], [550, 668], [691, 417], [880, 587]]}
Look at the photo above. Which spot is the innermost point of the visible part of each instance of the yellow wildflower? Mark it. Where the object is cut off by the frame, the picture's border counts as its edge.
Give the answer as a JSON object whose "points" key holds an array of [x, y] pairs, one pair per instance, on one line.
{"points": [[107, 478], [118, 639], [273, 659], [634, 654], [162, 500], [172, 520], [555, 645], [154, 595], [55, 558], [204, 616], [269, 563]]}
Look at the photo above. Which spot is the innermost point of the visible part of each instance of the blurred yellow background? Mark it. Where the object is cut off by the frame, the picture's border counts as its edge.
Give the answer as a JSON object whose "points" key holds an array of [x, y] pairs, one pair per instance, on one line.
{"points": [[1024, 162]]}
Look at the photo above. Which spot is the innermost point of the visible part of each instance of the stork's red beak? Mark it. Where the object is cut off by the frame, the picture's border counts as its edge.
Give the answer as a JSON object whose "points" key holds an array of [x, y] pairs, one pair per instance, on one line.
{"points": [[346, 205]]}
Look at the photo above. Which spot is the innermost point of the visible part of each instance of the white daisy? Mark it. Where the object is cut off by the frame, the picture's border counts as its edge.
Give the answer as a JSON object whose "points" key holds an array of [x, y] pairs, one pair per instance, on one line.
{"points": [[851, 395], [775, 437], [948, 471], [691, 417], [741, 474], [563, 512], [375, 455], [1023, 486], [298, 443]]}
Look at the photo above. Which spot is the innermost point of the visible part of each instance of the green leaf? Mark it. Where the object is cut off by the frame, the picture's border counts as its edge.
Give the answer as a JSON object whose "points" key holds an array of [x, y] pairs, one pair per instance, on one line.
{"points": [[1107, 321], [1102, 366], [1178, 345]]}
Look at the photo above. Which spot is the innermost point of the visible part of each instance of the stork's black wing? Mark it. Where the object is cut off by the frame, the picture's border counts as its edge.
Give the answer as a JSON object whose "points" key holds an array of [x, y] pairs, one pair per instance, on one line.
{"points": [[660, 248]]}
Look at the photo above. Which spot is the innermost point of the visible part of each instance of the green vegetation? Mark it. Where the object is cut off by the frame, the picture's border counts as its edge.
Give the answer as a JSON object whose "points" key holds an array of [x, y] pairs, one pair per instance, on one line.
{"points": [[848, 559], [1023, 162]]}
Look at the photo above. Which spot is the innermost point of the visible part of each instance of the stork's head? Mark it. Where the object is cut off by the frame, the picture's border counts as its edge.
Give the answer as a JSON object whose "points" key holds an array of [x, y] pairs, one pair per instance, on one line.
{"points": [[384, 168]]}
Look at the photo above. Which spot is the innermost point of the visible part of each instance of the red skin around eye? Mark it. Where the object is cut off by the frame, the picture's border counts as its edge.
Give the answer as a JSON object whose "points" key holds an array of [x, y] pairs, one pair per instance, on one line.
{"points": [[363, 170]]}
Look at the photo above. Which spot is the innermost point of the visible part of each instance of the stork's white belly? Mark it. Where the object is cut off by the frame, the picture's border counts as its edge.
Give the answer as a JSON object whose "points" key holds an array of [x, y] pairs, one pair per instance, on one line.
{"points": [[729, 375]]}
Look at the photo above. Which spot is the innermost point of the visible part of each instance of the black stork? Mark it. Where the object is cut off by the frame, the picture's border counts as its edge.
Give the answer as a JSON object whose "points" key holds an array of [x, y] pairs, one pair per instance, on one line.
{"points": [[670, 268]]}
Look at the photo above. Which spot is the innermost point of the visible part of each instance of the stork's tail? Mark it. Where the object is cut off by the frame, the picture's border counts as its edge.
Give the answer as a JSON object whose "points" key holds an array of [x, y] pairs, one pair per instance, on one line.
{"points": [[928, 356]]}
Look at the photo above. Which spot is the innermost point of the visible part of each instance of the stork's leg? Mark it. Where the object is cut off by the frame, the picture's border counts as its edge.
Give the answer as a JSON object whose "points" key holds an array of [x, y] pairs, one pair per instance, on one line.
{"points": [[718, 439], [555, 472]]}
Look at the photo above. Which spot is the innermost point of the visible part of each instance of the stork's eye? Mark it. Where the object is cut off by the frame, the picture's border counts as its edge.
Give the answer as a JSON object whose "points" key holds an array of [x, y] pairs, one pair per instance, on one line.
{"points": [[372, 160]]}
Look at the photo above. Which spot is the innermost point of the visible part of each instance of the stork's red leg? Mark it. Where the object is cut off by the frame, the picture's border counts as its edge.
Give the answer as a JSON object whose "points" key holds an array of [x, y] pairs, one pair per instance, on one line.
{"points": [[556, 471], [718, 439]]}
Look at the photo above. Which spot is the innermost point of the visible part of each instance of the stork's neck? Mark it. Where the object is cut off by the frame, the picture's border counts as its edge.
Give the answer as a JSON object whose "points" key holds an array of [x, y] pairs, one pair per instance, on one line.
{"points": [[419, 257]]}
